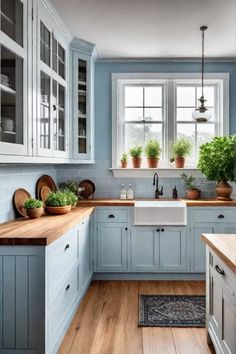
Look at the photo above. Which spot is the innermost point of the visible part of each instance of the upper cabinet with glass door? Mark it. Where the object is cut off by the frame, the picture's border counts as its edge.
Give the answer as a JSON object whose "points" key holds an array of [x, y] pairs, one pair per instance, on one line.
{"points": [[13, 80], [52, 127], [83, 100]]}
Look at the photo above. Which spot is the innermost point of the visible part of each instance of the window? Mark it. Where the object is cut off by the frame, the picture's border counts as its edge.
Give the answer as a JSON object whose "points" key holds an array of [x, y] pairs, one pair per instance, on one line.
{"points": [[160, 106]]}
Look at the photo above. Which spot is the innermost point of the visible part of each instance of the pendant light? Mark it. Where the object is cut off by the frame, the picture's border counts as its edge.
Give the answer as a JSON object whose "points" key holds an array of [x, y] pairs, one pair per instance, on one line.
{"points": [[202, 114]]}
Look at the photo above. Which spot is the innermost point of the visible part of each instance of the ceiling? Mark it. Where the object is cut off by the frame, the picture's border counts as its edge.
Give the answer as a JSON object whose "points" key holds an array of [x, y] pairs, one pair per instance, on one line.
{"points": [[152, 28]]}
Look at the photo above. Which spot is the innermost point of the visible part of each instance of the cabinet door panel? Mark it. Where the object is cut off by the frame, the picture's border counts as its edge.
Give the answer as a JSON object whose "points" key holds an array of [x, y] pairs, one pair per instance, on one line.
{"points": [[84, 250], [112, 247], [173, 248], [228, 321], [144, 249], [199, 248], [216, 302]]}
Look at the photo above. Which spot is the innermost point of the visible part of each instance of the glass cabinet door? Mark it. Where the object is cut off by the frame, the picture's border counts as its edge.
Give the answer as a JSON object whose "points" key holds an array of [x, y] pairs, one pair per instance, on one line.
{"points": [[82, 106], [13, 97], [53, 88]]}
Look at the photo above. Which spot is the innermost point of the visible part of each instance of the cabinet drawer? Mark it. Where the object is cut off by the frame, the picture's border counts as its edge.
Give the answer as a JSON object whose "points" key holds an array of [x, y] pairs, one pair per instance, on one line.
{"points": [[211, 215], [61, 256], [228, 277], [109, 215]]}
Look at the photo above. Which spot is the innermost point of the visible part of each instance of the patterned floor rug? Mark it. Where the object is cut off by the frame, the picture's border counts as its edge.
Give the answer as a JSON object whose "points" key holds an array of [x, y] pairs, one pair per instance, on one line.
{"points": [[172, 311]]}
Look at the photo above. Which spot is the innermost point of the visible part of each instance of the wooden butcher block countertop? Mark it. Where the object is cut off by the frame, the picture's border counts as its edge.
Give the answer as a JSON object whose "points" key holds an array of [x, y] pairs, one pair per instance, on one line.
{"points": [[41, 231], [117, 202], [224, 245]]}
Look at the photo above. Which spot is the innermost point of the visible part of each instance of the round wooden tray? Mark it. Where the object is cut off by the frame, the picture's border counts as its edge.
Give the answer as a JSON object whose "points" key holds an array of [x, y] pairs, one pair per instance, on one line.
{"points": [[89, 188], [45, 180], [19, 198]]}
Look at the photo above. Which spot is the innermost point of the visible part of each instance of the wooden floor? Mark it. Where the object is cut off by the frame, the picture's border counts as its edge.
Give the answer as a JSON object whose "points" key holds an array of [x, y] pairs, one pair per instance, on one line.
{"points": [[106, 322]]}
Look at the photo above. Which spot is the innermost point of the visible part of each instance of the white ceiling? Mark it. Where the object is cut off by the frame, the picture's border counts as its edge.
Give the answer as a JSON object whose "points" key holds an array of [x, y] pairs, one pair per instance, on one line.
{"points": [[152, 28]]}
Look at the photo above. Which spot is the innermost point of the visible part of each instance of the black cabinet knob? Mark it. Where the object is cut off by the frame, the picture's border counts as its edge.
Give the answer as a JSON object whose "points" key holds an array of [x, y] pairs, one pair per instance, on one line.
{"points": [[68, 287], [157, 230], [162, 230], [126, 229], [111, 216], [67, 246], [221, 216]]}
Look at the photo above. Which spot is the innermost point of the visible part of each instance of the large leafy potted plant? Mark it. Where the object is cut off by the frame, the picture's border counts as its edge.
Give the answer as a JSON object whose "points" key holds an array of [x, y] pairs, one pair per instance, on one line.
{"points": [[34, 208], [192, 190], [180, 149], [136, 153], [153, 151], [58, 203], [216, 162]]}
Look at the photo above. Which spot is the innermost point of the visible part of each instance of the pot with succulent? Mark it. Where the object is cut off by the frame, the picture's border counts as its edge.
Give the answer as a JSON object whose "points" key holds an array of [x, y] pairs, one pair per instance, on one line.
{"points": [[34, 208], [216, 162], [192, 190], [58, 203], [136, 153], [180, 149], [124, 160], [153, 152]]}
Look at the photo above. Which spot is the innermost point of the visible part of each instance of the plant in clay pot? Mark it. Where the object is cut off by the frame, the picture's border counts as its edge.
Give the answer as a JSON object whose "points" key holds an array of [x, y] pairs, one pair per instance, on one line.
{"points": [[58, 203], [180, 149], [153, 151], [124, 160], [216, 162], [192, 190], [34, 208], [72, 198], [136, 153]]}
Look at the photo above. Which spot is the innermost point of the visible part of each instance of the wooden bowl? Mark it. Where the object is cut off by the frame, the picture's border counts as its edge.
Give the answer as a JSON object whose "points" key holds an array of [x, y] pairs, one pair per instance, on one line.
{"points": [[58, 210], [34, 213]]}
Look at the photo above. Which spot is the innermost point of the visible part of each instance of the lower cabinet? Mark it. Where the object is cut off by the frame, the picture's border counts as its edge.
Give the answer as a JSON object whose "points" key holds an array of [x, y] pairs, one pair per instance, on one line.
{"points": [[112, 247], [162, 249], [222, 306]]}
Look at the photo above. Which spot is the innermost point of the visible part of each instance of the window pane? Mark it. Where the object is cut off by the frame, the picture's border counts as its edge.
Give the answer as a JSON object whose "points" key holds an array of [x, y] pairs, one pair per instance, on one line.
{"points": [[133, 96], [153, 96], [153, 113], [153, 131], [208, 94], [185, 114], [205, 132], [187, 131], [132, 114], [12, 20], [45, 44], [134, 135], [186, 96]]}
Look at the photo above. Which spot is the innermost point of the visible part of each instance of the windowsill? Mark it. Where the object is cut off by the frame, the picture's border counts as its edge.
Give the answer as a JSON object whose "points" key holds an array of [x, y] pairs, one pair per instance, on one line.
{"points": [[148, 172]]}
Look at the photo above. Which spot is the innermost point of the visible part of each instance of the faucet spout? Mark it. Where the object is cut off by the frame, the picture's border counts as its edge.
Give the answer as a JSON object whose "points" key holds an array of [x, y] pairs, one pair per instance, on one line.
{"points": [[156, 183]]}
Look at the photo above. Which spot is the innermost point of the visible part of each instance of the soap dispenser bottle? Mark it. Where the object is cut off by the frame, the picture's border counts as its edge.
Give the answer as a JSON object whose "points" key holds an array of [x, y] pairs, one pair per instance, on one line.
{"points": [[175, 193], [123, 192], [130, 193]]}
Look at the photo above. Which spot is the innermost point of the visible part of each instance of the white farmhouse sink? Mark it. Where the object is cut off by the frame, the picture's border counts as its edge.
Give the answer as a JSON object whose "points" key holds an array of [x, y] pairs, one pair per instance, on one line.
{"points": [[160, 212]]}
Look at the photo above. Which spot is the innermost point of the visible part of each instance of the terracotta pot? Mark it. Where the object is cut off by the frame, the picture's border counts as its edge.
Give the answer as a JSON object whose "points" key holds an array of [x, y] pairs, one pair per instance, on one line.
{"points": [[34, 213], [193, 193], [136, 161], [223, 190], [58, 210], [179, 162], [73, 206], [124, 164], [152, 162]]}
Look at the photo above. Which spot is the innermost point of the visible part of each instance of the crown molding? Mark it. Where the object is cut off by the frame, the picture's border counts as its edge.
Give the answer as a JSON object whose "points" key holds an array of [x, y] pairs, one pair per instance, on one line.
{"points": [[166, 60]]}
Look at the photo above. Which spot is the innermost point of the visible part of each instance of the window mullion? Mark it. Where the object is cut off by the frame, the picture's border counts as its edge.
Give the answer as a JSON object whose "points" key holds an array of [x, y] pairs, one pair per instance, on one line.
{"points": [[170, 125]]}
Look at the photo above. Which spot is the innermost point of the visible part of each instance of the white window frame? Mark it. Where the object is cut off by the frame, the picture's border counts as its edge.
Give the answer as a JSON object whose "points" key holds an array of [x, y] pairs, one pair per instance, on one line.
{"points": [[169, 82]]}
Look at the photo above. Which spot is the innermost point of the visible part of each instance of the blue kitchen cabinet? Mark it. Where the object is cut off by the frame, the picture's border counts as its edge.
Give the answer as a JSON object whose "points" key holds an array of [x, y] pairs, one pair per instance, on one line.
{"points": [[144, 249], [85, 240], [112, 247], [173, 249]]}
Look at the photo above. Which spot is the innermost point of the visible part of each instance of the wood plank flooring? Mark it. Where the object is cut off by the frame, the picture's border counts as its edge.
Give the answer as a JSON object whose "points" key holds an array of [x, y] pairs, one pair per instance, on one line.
{"points": [[106, 322]]}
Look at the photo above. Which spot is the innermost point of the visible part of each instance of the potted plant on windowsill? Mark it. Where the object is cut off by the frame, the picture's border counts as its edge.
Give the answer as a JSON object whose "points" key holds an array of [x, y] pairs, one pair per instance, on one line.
{"points": [[216, 162], [136, 153], [34, 208], [153, 151], [180, 149], [124, 160], [192, 190], [58, 203]]}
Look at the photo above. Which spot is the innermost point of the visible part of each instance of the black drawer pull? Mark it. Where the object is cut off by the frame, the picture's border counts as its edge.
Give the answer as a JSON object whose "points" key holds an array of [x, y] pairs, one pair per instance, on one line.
{"points": [[219, 270], [126, 229], [221, 216], [111, 216], [67, 246], [157, 230], [68, 287], [162, 230]]}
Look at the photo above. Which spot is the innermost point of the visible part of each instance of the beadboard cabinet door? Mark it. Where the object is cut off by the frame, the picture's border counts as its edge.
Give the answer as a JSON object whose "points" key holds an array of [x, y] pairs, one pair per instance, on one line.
{"points": [[112, 247], [22, 320]]}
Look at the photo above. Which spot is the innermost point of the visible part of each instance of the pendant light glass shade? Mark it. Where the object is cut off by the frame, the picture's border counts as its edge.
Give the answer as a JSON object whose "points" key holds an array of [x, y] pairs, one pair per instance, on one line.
{"points": [[202, 114]]}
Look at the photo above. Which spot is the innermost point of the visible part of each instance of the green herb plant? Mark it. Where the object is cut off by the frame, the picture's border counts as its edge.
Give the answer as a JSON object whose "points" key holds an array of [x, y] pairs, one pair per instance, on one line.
{"points": [[189, 181], [217, 158], [153, 149], [181, 148], [124, 157], [69, 186], [71, 197], [32, 203], [57, 199], [136, 151]]}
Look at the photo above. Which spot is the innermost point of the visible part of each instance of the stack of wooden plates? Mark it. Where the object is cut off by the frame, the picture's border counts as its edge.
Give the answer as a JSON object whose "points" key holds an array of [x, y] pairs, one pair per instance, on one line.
{"points": [[44, 186]]}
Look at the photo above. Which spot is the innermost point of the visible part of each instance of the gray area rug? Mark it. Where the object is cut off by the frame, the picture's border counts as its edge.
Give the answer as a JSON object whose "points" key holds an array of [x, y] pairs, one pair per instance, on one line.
{"points": [[172, 311]]}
